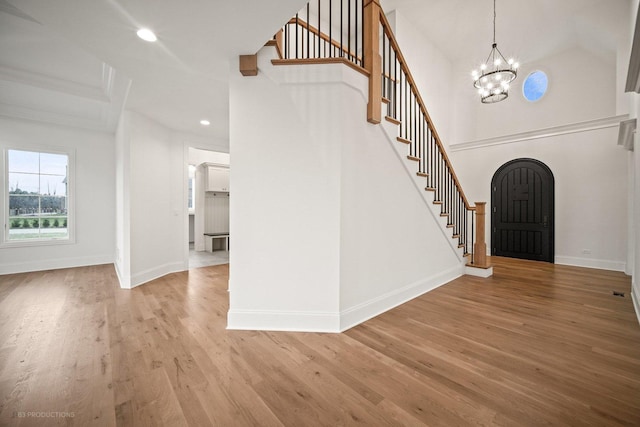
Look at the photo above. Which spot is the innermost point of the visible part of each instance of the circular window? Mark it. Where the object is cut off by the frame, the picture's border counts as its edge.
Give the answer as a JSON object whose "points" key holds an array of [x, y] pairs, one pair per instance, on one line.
{"points": [[535, 86]]}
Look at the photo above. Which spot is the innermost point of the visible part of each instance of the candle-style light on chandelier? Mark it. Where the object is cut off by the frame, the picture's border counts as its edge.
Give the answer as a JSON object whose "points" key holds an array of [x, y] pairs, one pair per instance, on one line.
{"points": [[496, 73]]}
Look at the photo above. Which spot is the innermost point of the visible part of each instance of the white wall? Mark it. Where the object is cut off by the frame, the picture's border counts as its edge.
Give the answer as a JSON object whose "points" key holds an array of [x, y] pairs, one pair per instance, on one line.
{"points": [[590, 173], [634, 193], [94, 197], [284, 222], [431, 70], [635, 164], [156, 184], [572, 129], [319, 242], [393, 247], [123, 210], [572, 97], [587, 164], [624, 100]]}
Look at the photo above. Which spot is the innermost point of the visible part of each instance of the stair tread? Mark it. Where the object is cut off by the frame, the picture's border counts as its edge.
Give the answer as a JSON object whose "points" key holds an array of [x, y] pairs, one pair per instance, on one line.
{"points": [[403, 140], [422, 174], [392, 120], [414, 158]]}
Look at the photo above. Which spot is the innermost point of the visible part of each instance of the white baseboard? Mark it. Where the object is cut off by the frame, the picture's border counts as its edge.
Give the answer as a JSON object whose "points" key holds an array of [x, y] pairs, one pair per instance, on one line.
{"points": [[155, 272], [54, 264], [635, 297], [265, 320], [602, 264], [123, 279], [478, 272], [369, 309]]}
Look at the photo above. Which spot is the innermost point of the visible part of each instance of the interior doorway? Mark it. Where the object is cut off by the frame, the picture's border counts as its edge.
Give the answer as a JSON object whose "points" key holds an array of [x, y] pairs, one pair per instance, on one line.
{"points": [[522, 211], [208, 209]]}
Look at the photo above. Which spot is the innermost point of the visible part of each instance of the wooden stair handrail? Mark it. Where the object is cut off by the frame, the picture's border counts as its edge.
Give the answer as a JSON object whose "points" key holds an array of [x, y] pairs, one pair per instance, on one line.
{"points": [[323, 36], [403, 63], [454, 203]]}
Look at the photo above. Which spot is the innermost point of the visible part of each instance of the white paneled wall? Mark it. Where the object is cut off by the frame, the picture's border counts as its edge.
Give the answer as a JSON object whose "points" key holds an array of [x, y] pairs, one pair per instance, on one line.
{"points": [[217, 212]]}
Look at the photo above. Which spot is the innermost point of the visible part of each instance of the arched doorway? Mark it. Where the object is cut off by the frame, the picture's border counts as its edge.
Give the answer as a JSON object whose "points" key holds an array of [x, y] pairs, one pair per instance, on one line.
{"points": [[522, 211]]}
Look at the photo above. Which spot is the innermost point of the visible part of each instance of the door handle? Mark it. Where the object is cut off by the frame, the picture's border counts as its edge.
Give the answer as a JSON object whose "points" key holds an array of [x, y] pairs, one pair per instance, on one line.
{"points": [[545, 221]]}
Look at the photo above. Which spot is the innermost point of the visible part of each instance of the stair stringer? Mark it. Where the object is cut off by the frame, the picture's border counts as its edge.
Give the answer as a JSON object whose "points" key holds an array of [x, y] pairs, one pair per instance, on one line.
{"points": [[390, 131]]}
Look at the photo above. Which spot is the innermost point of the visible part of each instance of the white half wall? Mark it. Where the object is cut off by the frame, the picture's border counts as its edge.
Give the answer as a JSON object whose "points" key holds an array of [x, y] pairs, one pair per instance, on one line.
{"points": [[94, 197], [328, 228]]}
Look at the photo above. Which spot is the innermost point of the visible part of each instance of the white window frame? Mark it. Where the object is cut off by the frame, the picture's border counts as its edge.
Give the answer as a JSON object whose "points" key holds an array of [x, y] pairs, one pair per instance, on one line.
{"points": [[71, 181]]}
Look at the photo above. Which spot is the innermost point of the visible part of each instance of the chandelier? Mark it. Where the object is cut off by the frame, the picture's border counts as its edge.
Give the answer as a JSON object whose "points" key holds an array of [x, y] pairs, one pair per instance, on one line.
{"points": [[496, 73]]}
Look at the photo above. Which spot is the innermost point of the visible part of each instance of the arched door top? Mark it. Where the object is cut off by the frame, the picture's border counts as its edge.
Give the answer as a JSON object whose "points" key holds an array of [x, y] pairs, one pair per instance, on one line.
{"points": [[529, 161]]}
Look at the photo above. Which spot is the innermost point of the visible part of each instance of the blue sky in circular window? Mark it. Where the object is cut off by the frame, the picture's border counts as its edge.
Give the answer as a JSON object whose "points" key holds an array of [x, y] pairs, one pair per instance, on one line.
{"points": [[535, 85]]}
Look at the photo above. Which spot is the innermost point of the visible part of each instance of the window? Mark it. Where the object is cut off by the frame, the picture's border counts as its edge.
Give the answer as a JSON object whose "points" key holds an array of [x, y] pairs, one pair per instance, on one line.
{"points": [[38, 197], [535, 86]]}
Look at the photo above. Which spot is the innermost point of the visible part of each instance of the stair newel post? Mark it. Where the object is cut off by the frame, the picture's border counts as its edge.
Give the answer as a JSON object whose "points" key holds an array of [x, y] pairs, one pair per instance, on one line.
{"points": [[279, 44], [372, 58], [480, 247]]}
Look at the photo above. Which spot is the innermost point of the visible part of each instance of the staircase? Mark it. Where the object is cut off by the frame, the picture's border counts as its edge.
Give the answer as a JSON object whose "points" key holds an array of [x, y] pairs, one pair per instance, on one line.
{"points": [[358, 34]]}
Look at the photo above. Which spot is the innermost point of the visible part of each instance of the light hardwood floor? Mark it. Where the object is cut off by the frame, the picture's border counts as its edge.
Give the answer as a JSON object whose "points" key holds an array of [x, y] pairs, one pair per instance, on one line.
{"points": [[536, 344]]}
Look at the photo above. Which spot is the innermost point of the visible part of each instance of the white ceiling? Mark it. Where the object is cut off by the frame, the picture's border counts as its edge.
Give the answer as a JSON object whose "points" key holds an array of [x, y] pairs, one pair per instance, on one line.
{"points": [[44, 77], [70, 61], [177, 81], [525, 29]]}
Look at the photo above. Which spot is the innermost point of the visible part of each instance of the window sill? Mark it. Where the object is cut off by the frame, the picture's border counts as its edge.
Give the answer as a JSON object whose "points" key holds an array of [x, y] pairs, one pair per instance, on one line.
{"points": [[36, 242]]}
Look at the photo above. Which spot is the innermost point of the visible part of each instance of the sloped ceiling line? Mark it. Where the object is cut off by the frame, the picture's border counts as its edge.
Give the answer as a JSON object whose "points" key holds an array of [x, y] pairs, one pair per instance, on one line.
{"points": [[12, 10]]}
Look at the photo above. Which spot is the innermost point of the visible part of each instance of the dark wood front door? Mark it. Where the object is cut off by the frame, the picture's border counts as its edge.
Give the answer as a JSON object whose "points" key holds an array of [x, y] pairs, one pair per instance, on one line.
{"points": [[522, 222]]}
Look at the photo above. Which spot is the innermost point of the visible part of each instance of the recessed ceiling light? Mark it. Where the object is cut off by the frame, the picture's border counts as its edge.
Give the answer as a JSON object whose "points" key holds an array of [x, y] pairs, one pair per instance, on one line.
{"points": [[147, 35], [205, 122]]}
